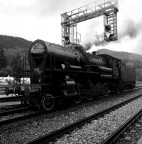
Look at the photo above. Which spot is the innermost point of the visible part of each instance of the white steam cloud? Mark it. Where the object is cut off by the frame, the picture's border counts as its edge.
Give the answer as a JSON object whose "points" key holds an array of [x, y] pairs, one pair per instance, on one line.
{"points": [[129, 29]]}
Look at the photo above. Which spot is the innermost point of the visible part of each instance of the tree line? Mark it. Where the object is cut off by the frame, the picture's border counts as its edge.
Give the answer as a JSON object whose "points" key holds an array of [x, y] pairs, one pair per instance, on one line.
{"points": [[13, 52]]}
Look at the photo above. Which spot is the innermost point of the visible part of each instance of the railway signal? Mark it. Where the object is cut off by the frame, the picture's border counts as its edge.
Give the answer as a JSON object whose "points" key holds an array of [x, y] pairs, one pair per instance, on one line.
{"points": [[110, 26], [107, 34], [106, 8]]}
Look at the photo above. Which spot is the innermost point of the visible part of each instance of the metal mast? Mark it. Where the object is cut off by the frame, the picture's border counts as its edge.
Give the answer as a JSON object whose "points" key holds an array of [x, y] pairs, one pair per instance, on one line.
{"points": [[69, 20]]}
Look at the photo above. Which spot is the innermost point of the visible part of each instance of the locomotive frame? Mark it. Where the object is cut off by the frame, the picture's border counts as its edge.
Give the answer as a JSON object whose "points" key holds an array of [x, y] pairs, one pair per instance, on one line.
{"points": [[60, 74]]}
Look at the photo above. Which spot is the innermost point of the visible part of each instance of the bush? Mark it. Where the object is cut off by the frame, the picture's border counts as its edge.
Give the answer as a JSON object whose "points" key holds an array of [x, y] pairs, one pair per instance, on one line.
{"points": [[4, 72]]}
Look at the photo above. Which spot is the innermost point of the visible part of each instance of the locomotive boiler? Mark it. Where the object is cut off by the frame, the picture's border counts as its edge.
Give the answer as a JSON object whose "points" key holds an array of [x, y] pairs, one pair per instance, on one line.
{"points": [[60, 74]]}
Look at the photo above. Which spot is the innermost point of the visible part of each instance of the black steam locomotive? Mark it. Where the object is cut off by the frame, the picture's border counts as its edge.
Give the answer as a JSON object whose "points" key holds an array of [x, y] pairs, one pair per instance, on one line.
{"points": [[60, 74]]}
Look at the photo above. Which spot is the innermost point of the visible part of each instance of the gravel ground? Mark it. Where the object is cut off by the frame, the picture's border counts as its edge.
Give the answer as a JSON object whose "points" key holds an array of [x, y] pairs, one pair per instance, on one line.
{"points": [[98, 130], [22, 132]]}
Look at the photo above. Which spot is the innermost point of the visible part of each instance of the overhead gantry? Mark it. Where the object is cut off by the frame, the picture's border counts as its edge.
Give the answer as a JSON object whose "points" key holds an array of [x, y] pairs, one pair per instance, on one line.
{"points": [[106, 8]]}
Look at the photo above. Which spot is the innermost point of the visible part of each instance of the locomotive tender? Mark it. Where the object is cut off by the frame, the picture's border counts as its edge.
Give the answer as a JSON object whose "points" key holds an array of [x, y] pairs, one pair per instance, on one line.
{"points": [[68, 73]]}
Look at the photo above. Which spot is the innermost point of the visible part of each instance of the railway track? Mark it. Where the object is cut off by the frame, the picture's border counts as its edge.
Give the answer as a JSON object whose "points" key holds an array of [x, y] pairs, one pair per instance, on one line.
{"points": [[12, 116], [119, 136], [15, 115], [10, 99], [9, 106], [33, 124], [12, 111], [53, 136]]}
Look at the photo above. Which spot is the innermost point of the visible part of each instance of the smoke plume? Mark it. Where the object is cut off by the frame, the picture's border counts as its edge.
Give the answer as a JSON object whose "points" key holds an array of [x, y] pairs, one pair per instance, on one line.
{"points": [[129, 29]]}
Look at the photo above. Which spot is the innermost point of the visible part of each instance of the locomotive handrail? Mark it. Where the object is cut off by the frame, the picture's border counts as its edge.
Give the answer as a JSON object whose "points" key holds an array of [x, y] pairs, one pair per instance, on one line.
{"points": [[38, 56]]}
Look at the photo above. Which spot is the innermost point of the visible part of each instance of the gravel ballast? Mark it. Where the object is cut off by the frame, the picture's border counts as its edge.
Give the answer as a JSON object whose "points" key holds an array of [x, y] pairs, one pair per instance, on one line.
{"points": [[27, 130], [98, 130]]}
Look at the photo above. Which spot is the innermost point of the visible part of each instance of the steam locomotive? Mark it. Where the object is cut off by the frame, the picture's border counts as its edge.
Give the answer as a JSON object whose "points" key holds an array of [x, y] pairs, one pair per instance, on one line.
{"points": [[60, 74]]}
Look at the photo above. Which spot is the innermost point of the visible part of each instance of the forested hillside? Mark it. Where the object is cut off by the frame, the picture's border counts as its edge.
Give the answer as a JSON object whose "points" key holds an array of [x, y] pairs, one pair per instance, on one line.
{"points": [[12, 51], [9, 42]]}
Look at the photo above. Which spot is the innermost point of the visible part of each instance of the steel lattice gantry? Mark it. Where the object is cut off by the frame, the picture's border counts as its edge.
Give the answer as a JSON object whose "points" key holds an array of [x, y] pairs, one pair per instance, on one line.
{"points": [[69, 20]]}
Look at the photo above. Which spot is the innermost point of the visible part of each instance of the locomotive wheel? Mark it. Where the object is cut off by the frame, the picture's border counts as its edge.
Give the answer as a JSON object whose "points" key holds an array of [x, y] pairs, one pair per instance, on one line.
{"points": [[105, 89], [47, 102]]}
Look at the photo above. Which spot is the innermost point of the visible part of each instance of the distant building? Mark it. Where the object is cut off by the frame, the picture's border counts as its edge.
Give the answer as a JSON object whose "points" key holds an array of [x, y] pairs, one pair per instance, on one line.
{"points": [[25, 81], [6, 80]]}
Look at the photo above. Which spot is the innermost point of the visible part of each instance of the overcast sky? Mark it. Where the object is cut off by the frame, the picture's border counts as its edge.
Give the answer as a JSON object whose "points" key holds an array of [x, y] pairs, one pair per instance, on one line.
{"points": [[40, 19]]}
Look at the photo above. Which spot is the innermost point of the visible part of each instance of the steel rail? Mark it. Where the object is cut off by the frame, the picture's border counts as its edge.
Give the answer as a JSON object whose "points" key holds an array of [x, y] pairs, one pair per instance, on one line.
{"points": [[114, 137], [19, 118], [12, 111], [12, 98], [60, 132]]}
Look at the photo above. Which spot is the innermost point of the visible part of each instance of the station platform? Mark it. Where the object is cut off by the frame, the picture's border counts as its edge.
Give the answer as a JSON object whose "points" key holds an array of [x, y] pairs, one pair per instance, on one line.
{"points": [[4, 95]]}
